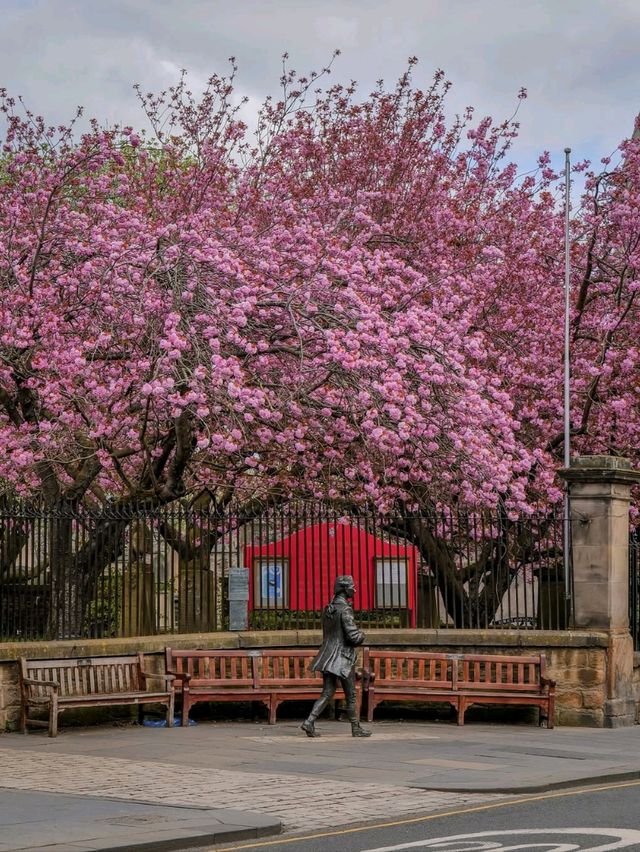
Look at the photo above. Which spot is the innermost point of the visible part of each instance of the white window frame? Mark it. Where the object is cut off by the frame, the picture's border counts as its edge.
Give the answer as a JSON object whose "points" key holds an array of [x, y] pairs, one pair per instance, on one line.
{"points": [[389, 571], [262, 564]]}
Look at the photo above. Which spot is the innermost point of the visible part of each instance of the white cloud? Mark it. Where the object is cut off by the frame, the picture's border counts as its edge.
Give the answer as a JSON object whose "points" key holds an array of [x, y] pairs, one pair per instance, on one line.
{"points": [[578, 60], [333, 30]]}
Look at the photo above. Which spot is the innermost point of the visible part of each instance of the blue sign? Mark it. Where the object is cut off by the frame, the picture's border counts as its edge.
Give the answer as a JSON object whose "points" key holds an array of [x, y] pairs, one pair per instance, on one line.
{"points": [[271, 582]]}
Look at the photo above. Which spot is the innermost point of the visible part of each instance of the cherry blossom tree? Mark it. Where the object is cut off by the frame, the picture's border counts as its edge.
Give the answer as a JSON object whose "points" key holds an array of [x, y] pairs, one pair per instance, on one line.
{"points": [[170, 314], [361, 302]]}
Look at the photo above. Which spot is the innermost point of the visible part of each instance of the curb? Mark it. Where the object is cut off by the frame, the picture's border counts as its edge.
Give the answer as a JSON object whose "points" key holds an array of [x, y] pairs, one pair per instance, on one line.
{"points": [[99, 824], [588, 781], [170, 844]]}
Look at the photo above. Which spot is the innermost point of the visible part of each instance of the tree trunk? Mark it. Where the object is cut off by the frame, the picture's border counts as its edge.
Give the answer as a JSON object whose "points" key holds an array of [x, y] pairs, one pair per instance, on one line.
{"points": [[197, 596], [65, 620], [428, 608], [471, 594], [13, 537], [138, 609], [78, 558]]}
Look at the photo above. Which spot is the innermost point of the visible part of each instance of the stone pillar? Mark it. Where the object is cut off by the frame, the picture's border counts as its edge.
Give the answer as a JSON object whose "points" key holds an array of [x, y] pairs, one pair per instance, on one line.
{"points": [[9, 695], [427, 604], [600, 490]]}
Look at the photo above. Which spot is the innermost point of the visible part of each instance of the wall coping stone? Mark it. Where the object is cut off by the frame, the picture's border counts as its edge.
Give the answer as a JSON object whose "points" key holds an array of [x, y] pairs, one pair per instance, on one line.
{"points": [[606, 469], [304, 638]]}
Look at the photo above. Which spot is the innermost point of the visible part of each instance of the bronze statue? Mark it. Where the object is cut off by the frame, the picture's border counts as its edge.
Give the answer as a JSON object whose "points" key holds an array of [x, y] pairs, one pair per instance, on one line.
{"points": [[337, 656]]}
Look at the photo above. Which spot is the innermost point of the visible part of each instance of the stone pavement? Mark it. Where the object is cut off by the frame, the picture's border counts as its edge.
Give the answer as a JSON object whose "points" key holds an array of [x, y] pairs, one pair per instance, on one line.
{"points": [[277, 773], [57, 823]]}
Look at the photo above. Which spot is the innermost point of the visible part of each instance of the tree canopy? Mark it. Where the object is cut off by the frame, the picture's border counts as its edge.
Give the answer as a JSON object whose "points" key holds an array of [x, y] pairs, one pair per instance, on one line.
{"points": [[362, 300]]}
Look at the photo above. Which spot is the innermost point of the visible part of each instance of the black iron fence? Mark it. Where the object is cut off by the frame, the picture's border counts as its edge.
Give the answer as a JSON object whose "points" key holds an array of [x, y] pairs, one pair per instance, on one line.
{"points": [[141, 570], [634, 588]]}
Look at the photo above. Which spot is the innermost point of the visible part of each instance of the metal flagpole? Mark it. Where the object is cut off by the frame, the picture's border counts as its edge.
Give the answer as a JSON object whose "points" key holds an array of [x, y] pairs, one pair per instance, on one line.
{"points": [[567, 371]]}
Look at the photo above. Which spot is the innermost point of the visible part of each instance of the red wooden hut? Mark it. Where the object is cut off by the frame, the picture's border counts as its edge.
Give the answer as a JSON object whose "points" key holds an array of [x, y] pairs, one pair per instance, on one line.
{"points": [[297, 572]]}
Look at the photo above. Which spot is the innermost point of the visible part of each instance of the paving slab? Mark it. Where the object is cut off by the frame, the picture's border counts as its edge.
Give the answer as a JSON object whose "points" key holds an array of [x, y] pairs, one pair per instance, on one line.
{"points": [[290, 779], [275, 772], [57, 822]]}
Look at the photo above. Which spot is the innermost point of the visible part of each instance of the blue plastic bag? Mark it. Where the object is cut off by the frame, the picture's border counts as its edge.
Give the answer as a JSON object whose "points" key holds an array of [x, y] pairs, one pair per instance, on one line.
{"points": [[162, 723]]}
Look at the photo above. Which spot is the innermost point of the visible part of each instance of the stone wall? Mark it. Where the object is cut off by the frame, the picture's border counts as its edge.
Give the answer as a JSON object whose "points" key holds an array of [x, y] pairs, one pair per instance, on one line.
{"points": [[577, 660]]}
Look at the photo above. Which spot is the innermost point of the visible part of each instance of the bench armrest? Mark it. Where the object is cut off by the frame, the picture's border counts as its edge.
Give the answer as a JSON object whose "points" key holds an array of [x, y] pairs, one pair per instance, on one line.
{"points": [[167, 678], [365, 676], [32, 681], [547, 681], [183, 676]]}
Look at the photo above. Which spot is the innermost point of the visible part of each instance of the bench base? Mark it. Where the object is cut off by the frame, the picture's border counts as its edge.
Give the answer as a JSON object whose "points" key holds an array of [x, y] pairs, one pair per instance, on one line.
{"points": [[271, 699], [56, 704], [461, 702], [543, 703], [279, 696], [375, 697], [195, 696]]}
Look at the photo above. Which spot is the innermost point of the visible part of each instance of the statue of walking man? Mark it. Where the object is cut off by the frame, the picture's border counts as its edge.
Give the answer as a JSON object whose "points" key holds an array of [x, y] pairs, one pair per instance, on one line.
{"points": [[337, 656]]}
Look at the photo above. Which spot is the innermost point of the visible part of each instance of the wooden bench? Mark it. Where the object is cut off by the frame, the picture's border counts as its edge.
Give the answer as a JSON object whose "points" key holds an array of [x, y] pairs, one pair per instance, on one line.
{"points": [[502, 679], [269, 677], [57, 685], [408, 676], [287, 676], [459, 680], [215, 676]]}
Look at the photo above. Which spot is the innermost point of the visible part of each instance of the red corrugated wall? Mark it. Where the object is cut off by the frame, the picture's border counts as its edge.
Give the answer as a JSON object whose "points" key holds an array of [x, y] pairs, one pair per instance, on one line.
{"points": [[317, 554]]}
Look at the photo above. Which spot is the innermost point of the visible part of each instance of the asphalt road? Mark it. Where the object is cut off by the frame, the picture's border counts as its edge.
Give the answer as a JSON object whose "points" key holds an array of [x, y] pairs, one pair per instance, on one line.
{"points": [[595, 818]]}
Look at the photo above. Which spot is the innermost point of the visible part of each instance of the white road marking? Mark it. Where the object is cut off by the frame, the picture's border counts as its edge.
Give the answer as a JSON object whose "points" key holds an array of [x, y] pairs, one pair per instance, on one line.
{"points": [[484, 841]]}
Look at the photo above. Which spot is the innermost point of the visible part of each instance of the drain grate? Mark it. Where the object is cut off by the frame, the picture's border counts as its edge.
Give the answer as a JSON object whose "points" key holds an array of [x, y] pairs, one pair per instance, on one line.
{"points": [[138, 819]]}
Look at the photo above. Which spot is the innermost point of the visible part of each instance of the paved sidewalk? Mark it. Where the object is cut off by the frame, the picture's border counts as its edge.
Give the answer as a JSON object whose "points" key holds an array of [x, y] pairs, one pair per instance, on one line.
{"points": [[52, 822], [275, 773]]}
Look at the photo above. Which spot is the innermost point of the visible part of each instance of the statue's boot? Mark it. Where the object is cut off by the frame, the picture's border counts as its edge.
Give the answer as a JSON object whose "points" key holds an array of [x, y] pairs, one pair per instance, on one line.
{"points": [[358, 731], [309, 727]]}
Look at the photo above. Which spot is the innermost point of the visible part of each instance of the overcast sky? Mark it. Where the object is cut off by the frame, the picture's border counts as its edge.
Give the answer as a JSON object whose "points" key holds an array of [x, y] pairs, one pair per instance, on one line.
{"points": [[579, 59]]}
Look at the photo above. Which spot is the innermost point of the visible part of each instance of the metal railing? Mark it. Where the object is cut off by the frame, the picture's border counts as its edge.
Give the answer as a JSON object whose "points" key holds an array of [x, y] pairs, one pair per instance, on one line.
{"points": [[142, 570]]}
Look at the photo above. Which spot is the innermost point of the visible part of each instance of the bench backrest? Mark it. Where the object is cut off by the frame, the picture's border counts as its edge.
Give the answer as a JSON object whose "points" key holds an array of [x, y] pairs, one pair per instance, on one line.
{"points": [[286, 668], [213, 668], [411, 668], [500, 672], [87, 675]]}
